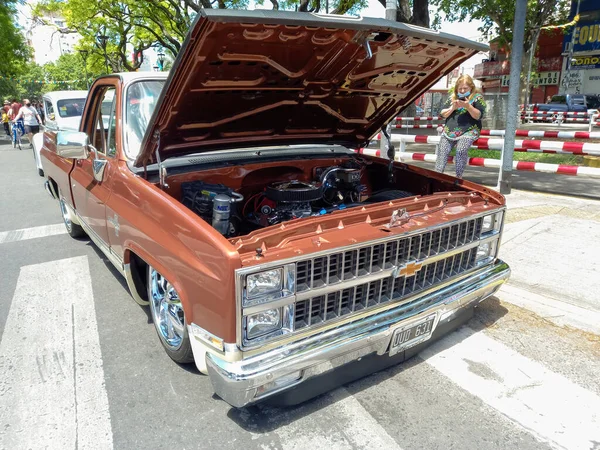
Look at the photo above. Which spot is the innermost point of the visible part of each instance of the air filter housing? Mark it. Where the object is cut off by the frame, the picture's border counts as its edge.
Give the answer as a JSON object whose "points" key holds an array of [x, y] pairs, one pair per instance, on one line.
{"points": [[294, 192]]}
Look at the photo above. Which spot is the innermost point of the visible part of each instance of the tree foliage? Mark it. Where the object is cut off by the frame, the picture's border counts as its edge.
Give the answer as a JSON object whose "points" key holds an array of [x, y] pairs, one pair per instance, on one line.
{"points": [[13, 51], [132, 26], [498, 16]]}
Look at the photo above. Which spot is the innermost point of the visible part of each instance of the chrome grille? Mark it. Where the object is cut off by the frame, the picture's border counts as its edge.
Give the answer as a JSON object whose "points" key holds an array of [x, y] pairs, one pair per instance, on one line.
{"points": [[335, 304], [351, 264]]}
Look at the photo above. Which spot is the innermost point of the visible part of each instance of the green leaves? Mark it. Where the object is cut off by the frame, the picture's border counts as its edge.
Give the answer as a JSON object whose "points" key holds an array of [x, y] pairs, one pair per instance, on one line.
{"points": [[498, 15]]}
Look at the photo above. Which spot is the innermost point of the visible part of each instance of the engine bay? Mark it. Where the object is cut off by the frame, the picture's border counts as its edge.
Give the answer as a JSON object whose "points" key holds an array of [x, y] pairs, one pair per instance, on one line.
{"points": [[234, 209]]}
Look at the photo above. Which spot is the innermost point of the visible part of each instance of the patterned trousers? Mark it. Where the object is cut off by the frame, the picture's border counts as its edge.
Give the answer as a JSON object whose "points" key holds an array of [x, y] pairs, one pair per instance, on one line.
{"points": [[462, 154]]}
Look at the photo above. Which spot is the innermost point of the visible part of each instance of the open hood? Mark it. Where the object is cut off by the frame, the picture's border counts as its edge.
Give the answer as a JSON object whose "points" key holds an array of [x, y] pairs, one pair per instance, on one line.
{"points": [[261, 78]]}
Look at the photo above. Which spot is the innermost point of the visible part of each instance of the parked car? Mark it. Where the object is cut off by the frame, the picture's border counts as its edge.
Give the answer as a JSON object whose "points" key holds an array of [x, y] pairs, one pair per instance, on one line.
{"points": [[271, 254], [62, 111], [569, 103]]}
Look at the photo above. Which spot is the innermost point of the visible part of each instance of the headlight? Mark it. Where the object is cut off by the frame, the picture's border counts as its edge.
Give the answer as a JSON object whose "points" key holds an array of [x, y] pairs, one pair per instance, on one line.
{"points": [[486, 250], [262, 283], [263, 322], [491, 223]]}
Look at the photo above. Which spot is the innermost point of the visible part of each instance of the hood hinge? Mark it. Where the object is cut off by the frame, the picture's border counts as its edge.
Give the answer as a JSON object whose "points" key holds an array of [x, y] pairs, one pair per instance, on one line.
{"points": [[162, 171]]}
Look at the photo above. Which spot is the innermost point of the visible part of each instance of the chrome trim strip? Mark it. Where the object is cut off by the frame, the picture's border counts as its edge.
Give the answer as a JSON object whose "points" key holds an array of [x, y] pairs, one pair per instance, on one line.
{"points": [[269, 305], [238, 383]]}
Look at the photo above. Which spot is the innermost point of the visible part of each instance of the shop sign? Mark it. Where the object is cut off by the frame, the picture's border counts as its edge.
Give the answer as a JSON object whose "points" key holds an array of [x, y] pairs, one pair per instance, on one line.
{"points": [[585, 37], [585, 62], [572, 82], [540, 79]]}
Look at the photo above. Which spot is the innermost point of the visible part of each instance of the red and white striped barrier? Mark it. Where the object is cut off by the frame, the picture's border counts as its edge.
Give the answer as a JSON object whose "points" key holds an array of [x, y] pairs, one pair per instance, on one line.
{"points": [[577, 148], [429, 125], [563, 113], [528, 166], [546, 134], [400, 119]]}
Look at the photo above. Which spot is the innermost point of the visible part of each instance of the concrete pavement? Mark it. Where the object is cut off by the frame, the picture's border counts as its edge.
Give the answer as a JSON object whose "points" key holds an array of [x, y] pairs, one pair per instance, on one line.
{"points": [[552, 244]]}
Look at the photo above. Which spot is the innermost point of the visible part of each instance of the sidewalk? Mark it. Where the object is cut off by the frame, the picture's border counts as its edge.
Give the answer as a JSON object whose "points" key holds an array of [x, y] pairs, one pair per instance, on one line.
{"points": [[552, 244]]}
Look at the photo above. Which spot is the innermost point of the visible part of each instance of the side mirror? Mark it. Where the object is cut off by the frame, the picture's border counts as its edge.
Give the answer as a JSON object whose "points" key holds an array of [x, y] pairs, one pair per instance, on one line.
{"points": [[72, 144]]}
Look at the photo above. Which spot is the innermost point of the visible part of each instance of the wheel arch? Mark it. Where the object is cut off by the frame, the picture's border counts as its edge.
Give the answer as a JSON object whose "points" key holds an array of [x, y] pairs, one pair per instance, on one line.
{"points": [[135, 263]]}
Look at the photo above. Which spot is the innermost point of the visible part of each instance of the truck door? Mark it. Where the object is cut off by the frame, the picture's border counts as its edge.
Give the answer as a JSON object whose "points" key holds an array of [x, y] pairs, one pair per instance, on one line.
{"points": [[88, 178]]}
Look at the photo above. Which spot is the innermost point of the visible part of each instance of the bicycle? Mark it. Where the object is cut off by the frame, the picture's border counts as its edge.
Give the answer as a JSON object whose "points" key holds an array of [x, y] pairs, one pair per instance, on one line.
{"points": [[18, 131]]}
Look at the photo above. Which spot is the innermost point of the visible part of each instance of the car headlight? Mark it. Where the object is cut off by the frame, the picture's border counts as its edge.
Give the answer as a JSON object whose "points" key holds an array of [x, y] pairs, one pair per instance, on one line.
{"points": [[486, 250], [263, 322], [263, 283], [491, 222]]}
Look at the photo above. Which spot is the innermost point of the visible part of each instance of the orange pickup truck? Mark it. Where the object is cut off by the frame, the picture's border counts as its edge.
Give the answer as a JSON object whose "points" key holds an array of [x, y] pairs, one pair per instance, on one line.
{"points": [[229, 196]]}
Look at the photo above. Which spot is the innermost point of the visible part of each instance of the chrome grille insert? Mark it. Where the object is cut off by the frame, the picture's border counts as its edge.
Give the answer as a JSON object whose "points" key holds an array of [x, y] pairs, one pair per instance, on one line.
{"points": [[351, 264], [335, 304]]}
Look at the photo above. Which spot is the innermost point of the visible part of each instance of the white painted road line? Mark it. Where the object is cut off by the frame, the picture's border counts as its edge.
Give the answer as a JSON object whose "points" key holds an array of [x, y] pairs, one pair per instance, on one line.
{"points": [[346, 424], [52, 392], [32, 233], [546, 404]]}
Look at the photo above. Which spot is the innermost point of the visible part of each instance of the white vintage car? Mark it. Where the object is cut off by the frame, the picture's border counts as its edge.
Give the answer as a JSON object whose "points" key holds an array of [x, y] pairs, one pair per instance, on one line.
{"points": [[62, 111]]}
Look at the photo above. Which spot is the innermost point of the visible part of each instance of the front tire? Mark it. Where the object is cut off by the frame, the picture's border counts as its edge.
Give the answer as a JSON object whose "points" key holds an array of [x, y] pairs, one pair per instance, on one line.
{"points": [[74, 230], [169, 318]]}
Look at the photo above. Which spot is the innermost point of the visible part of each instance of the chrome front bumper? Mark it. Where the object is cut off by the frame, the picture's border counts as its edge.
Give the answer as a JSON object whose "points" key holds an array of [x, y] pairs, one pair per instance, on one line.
{"points": [[253, 379]]}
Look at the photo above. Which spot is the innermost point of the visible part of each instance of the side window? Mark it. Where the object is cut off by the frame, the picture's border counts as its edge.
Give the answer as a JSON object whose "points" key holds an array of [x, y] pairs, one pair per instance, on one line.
{"points": [[49, 110], [104, 138]]}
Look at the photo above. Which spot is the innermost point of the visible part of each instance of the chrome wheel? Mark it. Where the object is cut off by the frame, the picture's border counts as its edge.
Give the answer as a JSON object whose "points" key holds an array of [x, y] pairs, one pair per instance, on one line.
{"points": [[74, 229], [66, 216], [167, 312]]}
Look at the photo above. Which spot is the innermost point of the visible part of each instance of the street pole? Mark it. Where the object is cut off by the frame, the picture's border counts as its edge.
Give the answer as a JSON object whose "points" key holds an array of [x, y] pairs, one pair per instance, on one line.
{"points": [[391, 7], [504, 178]]}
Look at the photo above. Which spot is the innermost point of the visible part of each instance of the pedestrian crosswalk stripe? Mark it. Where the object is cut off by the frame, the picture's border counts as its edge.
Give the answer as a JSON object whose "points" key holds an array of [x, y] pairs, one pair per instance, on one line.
{"points": [[546, 404], [52, 391], [32, 233], [357, 428]]}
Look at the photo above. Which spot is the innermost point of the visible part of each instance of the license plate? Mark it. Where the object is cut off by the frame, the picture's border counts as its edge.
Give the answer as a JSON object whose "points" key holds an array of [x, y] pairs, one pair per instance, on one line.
{"points": [[412, 334]]}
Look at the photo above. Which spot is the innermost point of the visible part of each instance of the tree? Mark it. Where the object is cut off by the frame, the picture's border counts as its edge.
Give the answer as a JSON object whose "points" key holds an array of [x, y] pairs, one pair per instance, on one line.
{"points": [[13, 51], [70, 71], [498, 16], [128, 27], [415, 12]]}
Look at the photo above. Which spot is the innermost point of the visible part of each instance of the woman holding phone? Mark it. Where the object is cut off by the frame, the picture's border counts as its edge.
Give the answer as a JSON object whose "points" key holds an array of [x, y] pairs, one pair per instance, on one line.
{"points": [[463, 113]]}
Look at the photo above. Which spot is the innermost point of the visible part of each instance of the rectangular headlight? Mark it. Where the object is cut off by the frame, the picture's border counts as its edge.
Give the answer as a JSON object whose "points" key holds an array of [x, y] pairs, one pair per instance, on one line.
{"points": [[491, 222], [486, 250], [263, 283], [263, 322]]}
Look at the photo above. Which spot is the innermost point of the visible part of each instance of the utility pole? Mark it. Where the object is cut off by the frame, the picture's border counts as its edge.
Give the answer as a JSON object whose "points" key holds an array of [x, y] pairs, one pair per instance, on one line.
{"points": [[504, 178], [391, 7]]}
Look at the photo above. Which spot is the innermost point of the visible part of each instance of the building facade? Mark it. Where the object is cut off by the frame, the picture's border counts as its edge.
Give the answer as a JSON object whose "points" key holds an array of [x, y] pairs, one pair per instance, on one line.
{"points": [[559, 66], [46, 39]]}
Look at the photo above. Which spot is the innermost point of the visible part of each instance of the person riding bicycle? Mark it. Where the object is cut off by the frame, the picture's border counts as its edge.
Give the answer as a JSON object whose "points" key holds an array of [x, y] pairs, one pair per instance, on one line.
{"points": [[17, 130], [31, 120]]}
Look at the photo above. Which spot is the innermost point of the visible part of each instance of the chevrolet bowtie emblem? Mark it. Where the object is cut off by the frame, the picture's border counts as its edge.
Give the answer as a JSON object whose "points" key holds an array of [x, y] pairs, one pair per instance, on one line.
{"points": [[408, 270]]}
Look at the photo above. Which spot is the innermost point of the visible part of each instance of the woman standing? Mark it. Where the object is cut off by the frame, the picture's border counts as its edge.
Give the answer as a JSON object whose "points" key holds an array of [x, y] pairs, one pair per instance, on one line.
{"points": [[31, 120], [463, 113]]}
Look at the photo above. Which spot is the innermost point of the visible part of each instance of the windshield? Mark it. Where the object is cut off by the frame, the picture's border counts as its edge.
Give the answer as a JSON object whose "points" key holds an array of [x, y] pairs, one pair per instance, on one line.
{"points": [[72, 107], [140, 101], [559, 99]]}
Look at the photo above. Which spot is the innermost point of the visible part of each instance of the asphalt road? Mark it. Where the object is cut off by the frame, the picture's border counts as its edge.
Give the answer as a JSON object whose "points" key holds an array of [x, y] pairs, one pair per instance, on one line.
{"points": [[82, 367]]}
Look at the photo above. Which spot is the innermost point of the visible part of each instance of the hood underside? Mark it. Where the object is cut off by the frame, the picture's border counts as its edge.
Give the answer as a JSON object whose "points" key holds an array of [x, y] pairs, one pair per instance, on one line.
{"points": [[255, 78]]}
